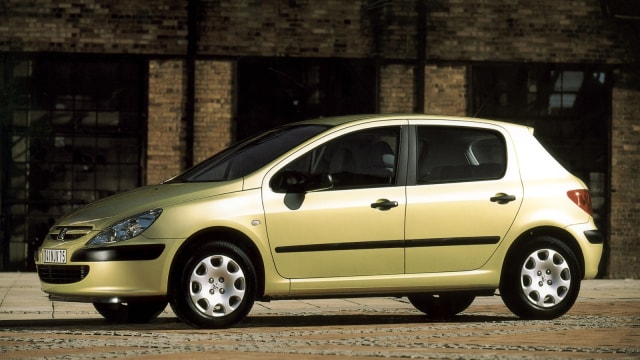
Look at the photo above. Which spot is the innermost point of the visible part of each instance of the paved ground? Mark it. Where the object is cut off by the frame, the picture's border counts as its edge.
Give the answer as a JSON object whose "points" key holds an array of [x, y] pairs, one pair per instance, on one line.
{"points": [[604, 324]]}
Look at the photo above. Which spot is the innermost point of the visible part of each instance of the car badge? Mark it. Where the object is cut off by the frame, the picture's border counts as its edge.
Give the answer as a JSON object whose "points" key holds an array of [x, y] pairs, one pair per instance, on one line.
{"points": [[62, 234]]}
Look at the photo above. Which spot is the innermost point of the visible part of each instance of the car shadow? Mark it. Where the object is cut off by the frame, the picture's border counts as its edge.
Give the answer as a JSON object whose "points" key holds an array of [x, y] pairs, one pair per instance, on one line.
{"points": [[252, 321], [326, 320]]}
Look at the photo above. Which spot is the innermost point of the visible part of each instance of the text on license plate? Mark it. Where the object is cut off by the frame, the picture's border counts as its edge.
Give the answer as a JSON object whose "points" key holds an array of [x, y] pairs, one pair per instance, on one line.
{"points": [[54, 256]]}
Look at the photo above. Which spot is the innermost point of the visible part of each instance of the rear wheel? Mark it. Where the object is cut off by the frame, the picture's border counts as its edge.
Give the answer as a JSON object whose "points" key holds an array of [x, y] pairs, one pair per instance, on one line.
{"points": [[132, 312], [442, 306], [541, 280], [217, 286]]}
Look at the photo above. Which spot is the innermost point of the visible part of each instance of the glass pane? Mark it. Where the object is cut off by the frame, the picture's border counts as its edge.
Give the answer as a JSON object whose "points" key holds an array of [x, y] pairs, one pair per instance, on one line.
{"points": [[569, 81], [128, 177], [60, 175], [362, 159], [84, 176], [62, 120], [60, 198], [129, 122], [107, 178], [128, 98], [86, 120], [64, 102], [449, 154], [20, 118], [561, 101], [108, 119], [39, 120], [83, 197], [19, 148], [18, 210]]}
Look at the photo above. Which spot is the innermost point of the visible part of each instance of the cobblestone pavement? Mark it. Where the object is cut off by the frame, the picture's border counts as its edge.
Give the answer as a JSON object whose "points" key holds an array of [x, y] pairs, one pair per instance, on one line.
{"points": [[604, 324]]}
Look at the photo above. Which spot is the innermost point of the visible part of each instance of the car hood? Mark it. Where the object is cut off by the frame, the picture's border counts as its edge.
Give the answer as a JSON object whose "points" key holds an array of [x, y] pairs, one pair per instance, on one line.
{"points": [[102, 213]]}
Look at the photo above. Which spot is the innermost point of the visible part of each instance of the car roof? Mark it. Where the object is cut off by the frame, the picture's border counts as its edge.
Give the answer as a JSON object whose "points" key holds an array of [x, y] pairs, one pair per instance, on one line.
{"points": [[364, 118]]}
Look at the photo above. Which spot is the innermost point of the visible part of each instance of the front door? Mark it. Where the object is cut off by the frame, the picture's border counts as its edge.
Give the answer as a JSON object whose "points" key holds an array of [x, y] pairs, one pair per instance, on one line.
{"points": [[356, 227]]}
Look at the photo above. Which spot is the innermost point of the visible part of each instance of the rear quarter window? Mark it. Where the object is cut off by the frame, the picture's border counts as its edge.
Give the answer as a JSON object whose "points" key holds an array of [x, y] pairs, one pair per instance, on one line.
{"points": [[458, 154]]}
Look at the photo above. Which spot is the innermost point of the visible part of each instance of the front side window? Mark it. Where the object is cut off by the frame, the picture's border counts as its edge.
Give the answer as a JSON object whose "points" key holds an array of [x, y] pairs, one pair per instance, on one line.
{"points": [[456, 154], [365, 158]]}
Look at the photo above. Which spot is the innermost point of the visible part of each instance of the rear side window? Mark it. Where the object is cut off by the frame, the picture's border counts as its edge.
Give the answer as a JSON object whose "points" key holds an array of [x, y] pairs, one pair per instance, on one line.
{"points": [[456, 154]]}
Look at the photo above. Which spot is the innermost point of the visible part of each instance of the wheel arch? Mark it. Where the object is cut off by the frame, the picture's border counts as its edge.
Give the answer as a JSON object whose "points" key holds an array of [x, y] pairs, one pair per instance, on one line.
{"points": [[223, 234], [555, 232]]}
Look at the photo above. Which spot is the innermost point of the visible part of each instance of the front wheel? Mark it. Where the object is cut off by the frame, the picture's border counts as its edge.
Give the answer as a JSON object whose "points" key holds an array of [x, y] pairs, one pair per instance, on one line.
{"points": [[442, 306], [217, 286], [541, 279], [132, 312]]}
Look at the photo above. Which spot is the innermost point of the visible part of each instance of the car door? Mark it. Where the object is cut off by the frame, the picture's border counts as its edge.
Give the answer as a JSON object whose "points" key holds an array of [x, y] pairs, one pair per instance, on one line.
{"points": [[354, 226], [466, 195]]}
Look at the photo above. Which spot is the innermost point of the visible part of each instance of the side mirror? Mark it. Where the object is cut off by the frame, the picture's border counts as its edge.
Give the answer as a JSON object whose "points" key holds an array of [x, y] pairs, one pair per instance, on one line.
{"points": [[297, 182], [288, 182]]}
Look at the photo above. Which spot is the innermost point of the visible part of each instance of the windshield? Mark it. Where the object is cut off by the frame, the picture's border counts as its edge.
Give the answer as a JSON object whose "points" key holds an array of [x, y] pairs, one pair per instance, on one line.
{"points": [[250, 155]]}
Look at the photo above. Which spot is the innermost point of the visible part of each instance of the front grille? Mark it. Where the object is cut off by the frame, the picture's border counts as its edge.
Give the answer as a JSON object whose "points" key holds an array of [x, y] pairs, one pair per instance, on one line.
{"points": [[68, 233], [62, 274]]}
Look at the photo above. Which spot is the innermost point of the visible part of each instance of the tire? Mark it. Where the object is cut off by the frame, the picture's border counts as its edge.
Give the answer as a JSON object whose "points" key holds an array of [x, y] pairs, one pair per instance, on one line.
{"points": [[132, 312], [216, 288], [442, 306], [541, 279]]}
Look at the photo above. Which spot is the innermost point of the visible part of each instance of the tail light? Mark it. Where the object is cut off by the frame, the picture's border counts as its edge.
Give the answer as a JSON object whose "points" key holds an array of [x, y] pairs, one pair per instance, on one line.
{"points": [[582, 198]]}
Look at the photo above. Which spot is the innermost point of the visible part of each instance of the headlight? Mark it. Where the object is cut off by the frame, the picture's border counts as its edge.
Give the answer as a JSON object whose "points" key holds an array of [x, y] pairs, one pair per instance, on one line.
{"points": [[125, 229]]}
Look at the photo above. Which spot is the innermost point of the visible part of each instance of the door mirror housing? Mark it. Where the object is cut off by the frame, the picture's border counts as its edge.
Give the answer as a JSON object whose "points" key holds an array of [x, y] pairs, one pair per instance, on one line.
{"points": [[297, 182]]}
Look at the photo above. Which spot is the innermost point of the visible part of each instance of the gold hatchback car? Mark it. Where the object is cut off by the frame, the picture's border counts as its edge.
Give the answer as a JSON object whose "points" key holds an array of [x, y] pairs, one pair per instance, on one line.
{"points": [[438, 209]]}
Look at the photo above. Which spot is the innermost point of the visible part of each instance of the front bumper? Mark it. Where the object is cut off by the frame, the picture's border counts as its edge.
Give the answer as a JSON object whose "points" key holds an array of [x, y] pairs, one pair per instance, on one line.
{"points": [[107, 274]]}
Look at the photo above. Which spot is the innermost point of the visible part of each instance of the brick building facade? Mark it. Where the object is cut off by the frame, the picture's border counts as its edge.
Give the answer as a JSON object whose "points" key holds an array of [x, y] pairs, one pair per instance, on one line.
{"points": [[203, 66]]}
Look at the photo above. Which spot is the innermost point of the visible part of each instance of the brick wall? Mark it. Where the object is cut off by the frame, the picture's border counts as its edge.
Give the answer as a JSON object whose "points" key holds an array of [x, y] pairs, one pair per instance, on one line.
{"points": [[446, 90], [214, 108], [93, 26], [307, 28], [625, 176], [396, 89], [165, 134], [574, 31]]}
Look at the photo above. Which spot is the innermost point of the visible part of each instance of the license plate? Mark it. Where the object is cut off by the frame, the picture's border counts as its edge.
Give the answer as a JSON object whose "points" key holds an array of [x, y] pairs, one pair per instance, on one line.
{"points": [[54, 256]]}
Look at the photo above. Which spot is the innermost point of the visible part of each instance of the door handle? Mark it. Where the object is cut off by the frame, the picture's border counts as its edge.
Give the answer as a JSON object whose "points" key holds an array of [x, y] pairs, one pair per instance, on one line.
{"points": [[384, 204], [502, 198]]}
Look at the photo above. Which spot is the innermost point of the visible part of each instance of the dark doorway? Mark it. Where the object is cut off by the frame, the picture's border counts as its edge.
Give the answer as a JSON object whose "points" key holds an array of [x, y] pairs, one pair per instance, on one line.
{"points": [[274, 91]]}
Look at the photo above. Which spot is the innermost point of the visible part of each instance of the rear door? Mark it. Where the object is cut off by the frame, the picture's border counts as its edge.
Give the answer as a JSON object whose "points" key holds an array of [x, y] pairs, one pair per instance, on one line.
{"points": [[466, 195]]}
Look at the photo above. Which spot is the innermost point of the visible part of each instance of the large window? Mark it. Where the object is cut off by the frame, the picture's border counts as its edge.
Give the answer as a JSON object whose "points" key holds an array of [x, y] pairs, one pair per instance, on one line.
{"points": [[569, 107], [74, 136]]}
